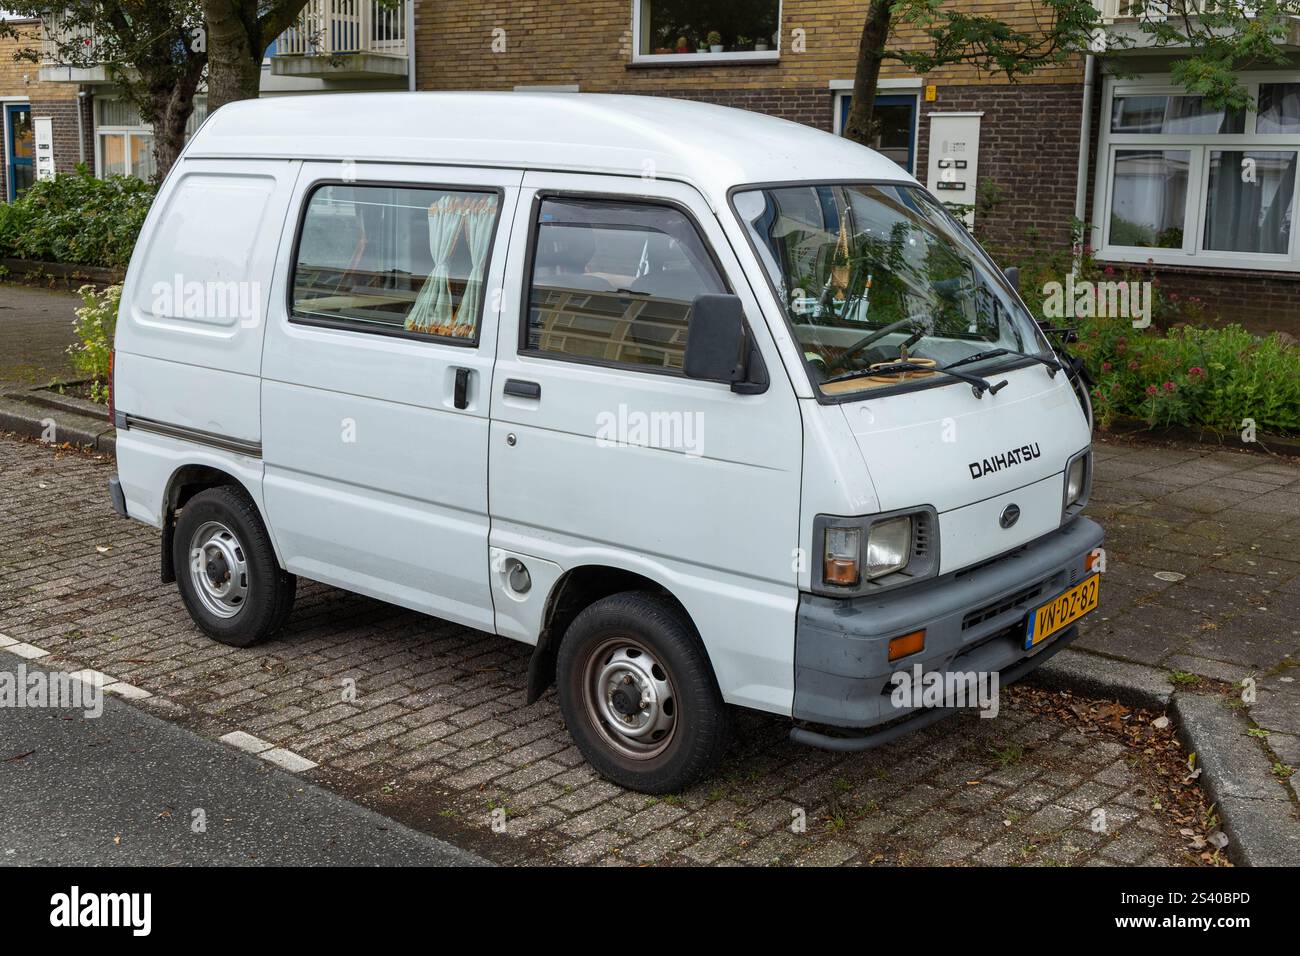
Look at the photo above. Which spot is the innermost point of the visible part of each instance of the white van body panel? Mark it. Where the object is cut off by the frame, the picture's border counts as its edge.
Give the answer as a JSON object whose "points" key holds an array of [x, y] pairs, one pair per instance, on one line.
{"points": [[146, 463], [200, 278], [370, 478], [648, 137], [375, 482], [718, 528]]}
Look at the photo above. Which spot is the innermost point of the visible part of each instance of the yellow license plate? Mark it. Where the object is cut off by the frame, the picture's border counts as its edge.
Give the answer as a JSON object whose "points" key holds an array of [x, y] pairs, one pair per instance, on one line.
{"points": [[1062, 611]]}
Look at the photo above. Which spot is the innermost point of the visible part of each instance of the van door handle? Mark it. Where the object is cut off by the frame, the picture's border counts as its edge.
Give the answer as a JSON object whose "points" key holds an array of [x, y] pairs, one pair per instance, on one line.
{"points": [[521, 389], [460, 395]]}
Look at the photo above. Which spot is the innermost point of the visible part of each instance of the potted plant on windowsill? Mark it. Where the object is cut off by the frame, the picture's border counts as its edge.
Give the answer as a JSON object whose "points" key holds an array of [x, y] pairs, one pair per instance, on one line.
{"points": [[683, 45], [742, 43], [715, 41], [760, 46]]}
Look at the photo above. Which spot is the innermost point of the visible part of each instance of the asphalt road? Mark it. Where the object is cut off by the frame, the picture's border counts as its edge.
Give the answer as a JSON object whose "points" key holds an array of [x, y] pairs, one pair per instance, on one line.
{"points": [[121, 789]]}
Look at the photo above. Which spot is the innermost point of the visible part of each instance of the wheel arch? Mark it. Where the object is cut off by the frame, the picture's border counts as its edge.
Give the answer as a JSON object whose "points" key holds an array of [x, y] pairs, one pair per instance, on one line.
{"points": [[186, 482], [574, 591]]}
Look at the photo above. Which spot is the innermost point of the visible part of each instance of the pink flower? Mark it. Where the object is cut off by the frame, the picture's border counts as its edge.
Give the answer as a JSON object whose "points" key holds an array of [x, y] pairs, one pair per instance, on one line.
{"points": [[1173, 296], [1133, 365], [1105, 366], [1152, 390], [1170, 386], [1110, 270], [1196, 371]]}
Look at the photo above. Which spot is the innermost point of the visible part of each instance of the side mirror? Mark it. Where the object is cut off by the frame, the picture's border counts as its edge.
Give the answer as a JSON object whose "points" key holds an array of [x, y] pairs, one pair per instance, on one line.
{"points": [[1013, 276], [716, 350]]}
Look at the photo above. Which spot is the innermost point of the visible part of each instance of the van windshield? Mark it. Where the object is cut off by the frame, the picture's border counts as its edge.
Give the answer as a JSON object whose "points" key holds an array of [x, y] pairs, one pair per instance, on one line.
{"points": [[874, 276]]}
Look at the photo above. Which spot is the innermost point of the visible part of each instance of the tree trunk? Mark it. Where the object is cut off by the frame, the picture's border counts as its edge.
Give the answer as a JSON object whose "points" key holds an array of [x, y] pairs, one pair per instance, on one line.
{"points": [[859, 127], [234, 51], [172, 109]]}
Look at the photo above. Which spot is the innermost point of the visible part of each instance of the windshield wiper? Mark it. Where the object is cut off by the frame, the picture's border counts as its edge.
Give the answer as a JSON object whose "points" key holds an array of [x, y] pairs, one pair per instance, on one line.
{"points": [[978, 385], [1052, 365]]}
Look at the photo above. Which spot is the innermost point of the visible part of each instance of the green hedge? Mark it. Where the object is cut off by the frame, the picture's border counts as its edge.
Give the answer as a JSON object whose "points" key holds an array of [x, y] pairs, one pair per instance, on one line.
{"points": [[77, 219], [1188, 368]]}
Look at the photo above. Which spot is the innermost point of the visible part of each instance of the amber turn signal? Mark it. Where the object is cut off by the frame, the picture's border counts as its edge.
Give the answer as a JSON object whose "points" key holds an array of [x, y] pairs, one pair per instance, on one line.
{"points": [[907, 644]]}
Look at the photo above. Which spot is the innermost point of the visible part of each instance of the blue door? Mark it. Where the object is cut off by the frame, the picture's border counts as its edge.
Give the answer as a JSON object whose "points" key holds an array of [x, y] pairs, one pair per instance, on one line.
{"points": [[896, 133], [20, 150]]}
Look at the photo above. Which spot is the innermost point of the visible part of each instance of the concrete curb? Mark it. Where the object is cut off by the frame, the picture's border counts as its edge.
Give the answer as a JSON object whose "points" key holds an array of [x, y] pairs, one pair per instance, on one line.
{"points": [[78, 429], [1254, 809]]}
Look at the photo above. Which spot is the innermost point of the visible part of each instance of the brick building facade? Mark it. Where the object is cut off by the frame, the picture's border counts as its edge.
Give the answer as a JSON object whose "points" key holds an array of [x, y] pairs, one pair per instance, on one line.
{"points": [[25, 98], [1028, 133]]}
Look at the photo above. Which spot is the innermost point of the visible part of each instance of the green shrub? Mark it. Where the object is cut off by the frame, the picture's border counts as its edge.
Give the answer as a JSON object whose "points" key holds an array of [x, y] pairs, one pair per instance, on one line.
{"points": [[1198, 372], [77, 219], [95, 323]]}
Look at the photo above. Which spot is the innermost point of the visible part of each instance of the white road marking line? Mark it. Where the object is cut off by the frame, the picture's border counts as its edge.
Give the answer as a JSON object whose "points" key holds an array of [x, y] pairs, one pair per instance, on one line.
{"points": [[245, 742], [27, 651], [288, 760], [98, 678], [7, 641], [129, 691]]}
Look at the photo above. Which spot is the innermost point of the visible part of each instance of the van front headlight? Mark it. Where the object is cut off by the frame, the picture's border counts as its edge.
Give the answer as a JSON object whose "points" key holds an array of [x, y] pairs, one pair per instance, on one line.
{"points": [[1078, 480], [860, 555], [889, 546]]}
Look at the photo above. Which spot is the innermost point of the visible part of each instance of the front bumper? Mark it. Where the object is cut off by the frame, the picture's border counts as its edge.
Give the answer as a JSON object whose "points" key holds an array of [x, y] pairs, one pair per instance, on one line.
{"points": [[974, 621]]}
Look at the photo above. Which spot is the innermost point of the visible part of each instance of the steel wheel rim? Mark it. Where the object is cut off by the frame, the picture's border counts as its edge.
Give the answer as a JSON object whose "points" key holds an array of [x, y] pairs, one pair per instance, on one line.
{"points": [[630, 698], [219, 569]]}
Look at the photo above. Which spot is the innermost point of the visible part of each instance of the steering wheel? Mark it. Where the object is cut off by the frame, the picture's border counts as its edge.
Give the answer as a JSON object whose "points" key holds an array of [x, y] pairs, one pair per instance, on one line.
{"points": [[867, 340]]}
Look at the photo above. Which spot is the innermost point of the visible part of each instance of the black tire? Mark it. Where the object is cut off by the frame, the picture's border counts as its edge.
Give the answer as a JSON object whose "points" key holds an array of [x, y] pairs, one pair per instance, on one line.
{"points": [[599, 641], [269, 590]]}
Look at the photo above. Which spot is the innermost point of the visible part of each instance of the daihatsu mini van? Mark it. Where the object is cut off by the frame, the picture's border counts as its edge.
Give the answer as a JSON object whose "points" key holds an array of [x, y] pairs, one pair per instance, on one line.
{"points": [[710, 408]]}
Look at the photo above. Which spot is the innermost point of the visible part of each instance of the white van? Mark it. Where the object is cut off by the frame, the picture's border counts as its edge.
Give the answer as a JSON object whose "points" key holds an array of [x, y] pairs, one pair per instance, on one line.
{"points": [[708, 407]]}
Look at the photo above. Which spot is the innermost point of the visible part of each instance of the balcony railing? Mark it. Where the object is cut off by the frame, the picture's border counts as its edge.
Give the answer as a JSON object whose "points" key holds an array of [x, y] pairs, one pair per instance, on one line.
{"points": [[342, 27], [59, 38], [1112, 10]]}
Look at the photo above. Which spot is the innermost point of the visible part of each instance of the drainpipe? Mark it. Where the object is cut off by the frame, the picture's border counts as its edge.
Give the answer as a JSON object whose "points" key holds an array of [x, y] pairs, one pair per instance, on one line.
{"points": [[410, 44], [81, 127], [1085, 138]]}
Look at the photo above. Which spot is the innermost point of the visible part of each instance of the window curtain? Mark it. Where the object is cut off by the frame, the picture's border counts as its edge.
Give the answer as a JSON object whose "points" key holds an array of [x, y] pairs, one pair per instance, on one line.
{"points": [[1250, 215], [432, 312], [479, 219]]}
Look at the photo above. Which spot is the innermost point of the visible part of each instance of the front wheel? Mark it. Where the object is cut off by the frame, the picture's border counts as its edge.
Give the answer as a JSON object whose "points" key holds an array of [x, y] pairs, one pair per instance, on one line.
{"points": [[226, 569], [638, 694]]}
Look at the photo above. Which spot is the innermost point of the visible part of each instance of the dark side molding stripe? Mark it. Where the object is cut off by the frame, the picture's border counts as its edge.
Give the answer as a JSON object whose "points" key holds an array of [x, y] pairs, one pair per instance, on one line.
{"points": [[239, 446]]}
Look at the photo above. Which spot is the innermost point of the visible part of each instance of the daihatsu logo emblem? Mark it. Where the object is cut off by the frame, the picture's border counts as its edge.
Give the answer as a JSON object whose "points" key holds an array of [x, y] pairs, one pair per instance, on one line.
{"points": [[1010, 515]]}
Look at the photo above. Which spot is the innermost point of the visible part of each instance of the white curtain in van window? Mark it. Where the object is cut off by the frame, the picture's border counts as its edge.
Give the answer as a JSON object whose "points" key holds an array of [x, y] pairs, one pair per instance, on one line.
{"points": [[433, 306], [478, 230]]}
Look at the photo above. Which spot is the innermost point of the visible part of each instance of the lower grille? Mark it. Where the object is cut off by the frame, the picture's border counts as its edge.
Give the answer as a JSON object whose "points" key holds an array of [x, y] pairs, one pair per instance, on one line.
{"points": [[1020, 599]]}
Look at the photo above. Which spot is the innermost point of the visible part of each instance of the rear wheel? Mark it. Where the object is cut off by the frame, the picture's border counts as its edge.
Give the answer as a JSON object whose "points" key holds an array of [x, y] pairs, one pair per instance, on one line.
{"points": [[226, 568], [638, 694]]}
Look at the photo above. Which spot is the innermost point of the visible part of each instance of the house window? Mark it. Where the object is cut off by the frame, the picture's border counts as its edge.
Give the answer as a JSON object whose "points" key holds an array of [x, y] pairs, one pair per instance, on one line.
{"points": [[1182, 183], [124, 142], [687, 31], [896, 123]]}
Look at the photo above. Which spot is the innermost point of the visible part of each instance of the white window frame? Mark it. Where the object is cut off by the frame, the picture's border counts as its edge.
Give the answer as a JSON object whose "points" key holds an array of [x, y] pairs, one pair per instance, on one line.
{"points": [[695, 59], [1192, 252]]}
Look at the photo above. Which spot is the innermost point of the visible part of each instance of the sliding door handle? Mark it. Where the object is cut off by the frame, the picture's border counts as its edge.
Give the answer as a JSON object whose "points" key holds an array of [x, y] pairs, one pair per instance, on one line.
{"points": [[460, 394], [521, 389]]}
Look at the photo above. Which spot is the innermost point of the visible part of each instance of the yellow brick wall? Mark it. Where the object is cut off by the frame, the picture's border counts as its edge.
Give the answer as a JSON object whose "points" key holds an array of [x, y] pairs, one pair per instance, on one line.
{"points": [[21, 77], [589, 43]]}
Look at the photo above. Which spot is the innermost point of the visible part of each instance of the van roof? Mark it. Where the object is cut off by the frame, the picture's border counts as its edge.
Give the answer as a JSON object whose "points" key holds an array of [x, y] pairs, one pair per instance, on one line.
{"points": [[714, 147]]}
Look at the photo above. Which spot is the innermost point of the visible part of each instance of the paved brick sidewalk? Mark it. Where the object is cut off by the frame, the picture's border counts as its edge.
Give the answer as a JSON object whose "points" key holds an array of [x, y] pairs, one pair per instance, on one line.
{"points": [[1203, 578], [440, 737]]}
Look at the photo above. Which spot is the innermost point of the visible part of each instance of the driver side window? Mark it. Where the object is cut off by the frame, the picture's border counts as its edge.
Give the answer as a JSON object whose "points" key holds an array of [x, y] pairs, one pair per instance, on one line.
{"points": [[612, 282]]}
